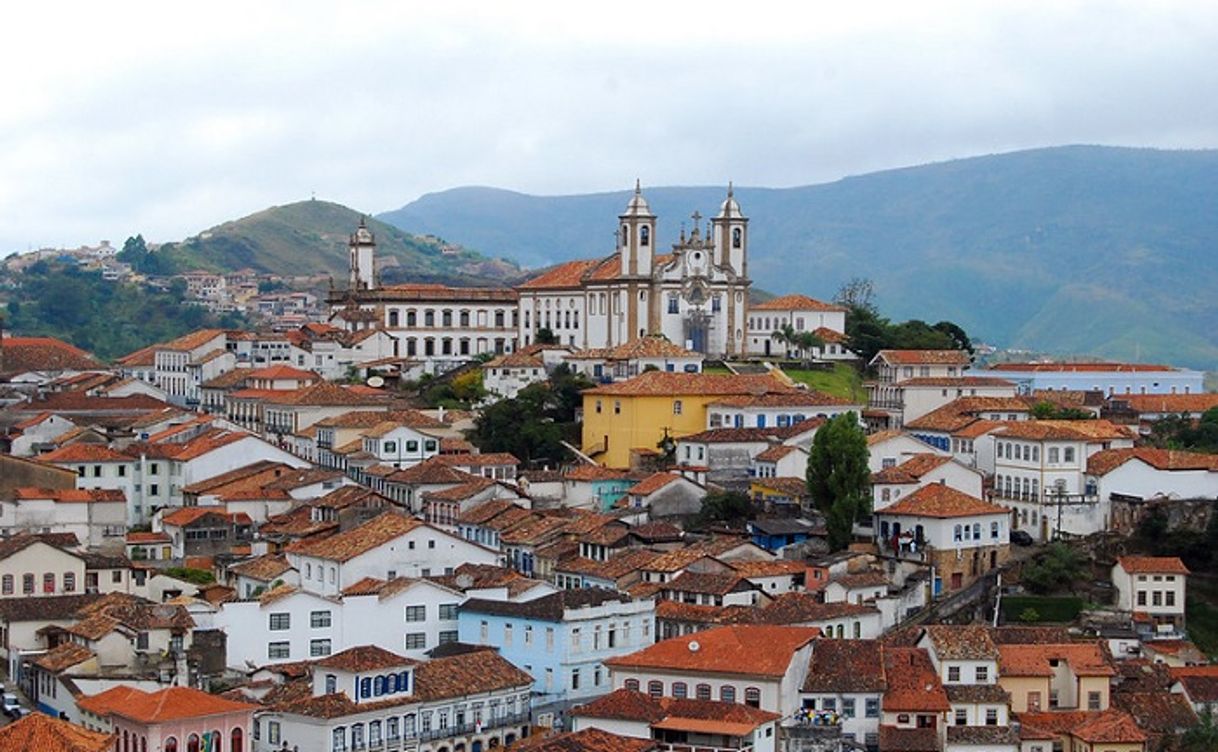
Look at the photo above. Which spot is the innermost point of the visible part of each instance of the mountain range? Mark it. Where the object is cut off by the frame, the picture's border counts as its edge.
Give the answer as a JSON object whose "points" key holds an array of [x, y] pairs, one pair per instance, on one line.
{"points": [[1104, 251]]}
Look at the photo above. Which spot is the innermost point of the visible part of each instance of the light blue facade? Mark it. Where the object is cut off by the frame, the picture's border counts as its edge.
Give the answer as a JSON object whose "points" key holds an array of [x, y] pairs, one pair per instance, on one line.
{"points": [[1112, 381], [564, 655]]}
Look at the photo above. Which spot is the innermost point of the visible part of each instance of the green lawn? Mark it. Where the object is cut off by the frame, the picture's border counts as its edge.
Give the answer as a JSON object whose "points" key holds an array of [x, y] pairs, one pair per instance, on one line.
{"points": [[842, 381], [1047, 608]]}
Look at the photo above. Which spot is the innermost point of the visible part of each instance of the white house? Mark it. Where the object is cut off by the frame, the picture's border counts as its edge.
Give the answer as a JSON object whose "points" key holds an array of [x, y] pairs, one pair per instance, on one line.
{"points": [[385, 547], [1110, 378], [1148, 473], [803, 315], [894, 366], [1153, 587], [920, 470], [96, 517], [921, 395], [960, 536], [776, 409], [370, 698], [1040, 472], [634, 356], [685, 722], [759, 665], [890, 448], [846, 679]]}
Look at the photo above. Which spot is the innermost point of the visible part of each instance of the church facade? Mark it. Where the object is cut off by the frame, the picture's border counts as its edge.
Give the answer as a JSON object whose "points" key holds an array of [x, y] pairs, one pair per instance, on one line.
{"points": [[696, 295]]}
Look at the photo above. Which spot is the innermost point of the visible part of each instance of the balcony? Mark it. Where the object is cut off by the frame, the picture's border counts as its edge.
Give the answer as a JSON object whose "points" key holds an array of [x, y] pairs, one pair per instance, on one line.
{"points": [[466, 729]]}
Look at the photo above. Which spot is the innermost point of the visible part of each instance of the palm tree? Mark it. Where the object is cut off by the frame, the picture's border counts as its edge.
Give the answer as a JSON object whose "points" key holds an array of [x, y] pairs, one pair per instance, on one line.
{"points": [[785, 335], [803, 343]]}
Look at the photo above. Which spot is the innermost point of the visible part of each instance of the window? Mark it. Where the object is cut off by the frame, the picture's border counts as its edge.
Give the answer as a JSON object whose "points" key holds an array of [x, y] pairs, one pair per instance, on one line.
{"points": [[680, 689], [655, 688], [1169, 596], [644, 235], [448, 612], [448, 636], [991, 716], [416, 640], [961, 718], [1054, 455], [319, 648], [48, 583], [617, 407], [331, 684], [993, 529], [673, 303], [278, 650], [676, 407], [982, 673], [1034, 702], [752, 697], [272, 732], [953, 673], [727, 693], [574, 679], [1141, 597], [872, 707], [280, 622], [416, 613], [319, 619], [6, 585], [1068, 454], [829, 704], [848, 707]]}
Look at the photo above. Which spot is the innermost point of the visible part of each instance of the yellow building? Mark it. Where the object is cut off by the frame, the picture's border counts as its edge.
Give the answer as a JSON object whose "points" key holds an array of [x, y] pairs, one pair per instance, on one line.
{"points": [[640, 412]]}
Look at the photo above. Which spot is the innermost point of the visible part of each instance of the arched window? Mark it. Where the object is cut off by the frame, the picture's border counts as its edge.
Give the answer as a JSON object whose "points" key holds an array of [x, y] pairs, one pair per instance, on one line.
{"points": [[126, 741], [429, 318], [625, 234], [378, 686], [331, 684], [192, 743], [737, 238], [680, 689], [7, 585], [69, 582], [464, 318], [238, 740], [365, 687], [727, 693], [631, 684], [393, 317], [655, 688], [976, 531], [702, 691], [217, 742], [645, 236], [752, 697], [27, 583], [408, 725], [411, 317], [171, 745], [956, 533], [404, 681], [338, 739]]}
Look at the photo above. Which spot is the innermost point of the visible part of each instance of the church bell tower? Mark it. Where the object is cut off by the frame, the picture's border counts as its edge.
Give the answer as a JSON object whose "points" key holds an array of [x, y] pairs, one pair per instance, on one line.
{"points": [[731, 230], [362, 250], [636, 236]]}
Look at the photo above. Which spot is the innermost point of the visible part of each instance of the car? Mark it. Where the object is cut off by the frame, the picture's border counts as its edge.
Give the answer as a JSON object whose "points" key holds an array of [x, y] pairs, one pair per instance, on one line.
{"points": [[12, 706], [1021, 538]]}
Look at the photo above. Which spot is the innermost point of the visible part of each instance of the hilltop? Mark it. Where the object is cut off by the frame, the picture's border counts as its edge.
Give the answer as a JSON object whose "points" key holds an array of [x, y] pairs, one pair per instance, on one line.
{"points": [[1096, 250], [310, 237]]}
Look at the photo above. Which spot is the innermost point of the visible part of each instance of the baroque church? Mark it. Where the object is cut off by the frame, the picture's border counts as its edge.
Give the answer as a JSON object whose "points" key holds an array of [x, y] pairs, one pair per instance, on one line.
{"points": [[696, 295]]}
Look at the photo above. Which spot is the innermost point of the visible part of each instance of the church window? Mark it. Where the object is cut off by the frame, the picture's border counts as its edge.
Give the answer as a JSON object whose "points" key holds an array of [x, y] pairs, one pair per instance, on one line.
{"points": [[645, 236], [625, 234], [446, 346], [429, 318], [736, 238], [576, 319], [716, 303], [410, 318], [446, 318], [412, 347], [673, 303], [393, 317], [499, 319], [464, 318], [567, 319]]}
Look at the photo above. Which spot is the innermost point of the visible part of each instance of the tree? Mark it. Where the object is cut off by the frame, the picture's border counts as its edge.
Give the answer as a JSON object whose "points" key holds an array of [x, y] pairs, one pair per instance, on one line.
{"points": [[1056, 568], [1202, 737], [533, 425], [726, 507], [546, 336], [801, 342], [859, 293], [1045, 410], [839, 480]]}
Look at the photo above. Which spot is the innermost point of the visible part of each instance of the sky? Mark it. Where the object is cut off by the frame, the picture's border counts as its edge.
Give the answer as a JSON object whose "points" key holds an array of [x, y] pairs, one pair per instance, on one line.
{"points": [[168, 118]]}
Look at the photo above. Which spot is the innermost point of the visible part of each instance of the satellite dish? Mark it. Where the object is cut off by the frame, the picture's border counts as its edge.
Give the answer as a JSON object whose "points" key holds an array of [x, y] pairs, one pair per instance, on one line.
{"points": [[376, 382], [694, 646]]}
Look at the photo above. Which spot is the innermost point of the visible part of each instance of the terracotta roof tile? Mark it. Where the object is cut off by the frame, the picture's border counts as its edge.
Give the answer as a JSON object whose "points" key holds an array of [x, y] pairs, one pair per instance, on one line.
{"points": [[925, 357], [955, 381], [365, 658], [1081, 367], [751, 650], [84, 453], [37, 732], [351, 543], [796, 303], [840, 666], [1167, 403], [663, 383], [793, 399], [1064, 430], [23, 354], [588, 740], [913, 683], [1152, 565], [1107, 460], [652, 483], [264, 568], [966, 642], [805, 608], [1085, 659], [941, 501], [650, 346], [567, 275], [176, 704], [63, 656]]}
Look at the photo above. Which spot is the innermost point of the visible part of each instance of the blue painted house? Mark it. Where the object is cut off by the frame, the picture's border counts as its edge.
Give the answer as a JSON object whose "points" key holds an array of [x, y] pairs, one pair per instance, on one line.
{"points": [[773, 534]]}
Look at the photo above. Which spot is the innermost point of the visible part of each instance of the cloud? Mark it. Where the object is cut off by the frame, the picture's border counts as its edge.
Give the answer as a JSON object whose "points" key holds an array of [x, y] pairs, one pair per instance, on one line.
{"points": [[165, 120]]}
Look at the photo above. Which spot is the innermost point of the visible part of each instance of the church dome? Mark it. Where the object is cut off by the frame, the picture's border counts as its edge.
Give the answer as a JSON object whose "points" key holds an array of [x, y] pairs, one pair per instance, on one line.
{"points": [[637, 206], [729, 209]]}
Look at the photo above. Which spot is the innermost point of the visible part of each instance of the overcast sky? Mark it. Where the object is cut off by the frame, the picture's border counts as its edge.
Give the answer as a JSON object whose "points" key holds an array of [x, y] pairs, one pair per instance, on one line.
{"points": [[168, 118]]}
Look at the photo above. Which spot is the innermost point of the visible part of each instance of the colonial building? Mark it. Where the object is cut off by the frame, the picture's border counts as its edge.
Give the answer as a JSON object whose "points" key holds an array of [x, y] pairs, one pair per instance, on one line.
{"points": [[445, 326], [697, 295]]}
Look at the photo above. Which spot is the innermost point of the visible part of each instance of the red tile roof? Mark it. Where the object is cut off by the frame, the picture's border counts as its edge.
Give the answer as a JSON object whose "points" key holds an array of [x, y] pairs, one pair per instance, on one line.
{"points": [[845, 666], [734, 719], [1085, 659], [924, 357], [1107, 460], [567, 275], [1064, 430], [176, 704], [37, 732], [650, 346], [913, 683], [664, 383], [796, 303], [752, 650], [73, 495], [1167, 403], [1081, 367], [84, 453], [1152, 565], [940, 501], [588, 740], [652, 483], [359, 540], [23, 354], [365, 658]]}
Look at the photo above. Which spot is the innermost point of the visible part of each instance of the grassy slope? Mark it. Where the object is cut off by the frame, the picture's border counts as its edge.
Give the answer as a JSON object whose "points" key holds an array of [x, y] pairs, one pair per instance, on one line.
{"points": [[843, 381], [310, 237]]}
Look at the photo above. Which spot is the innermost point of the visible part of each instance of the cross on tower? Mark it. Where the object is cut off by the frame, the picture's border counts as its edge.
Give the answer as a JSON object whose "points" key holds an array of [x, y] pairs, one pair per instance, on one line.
{"points": [[697, 215]]}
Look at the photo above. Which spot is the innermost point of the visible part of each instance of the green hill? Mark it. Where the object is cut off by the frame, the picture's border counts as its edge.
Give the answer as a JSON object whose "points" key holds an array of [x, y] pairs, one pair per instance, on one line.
{"points": [[310, 237], [1075, 250]]}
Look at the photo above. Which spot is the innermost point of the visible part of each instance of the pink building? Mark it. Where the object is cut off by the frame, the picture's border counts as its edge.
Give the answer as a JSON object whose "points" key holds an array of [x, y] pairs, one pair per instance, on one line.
{"points": [[176, 719]]}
